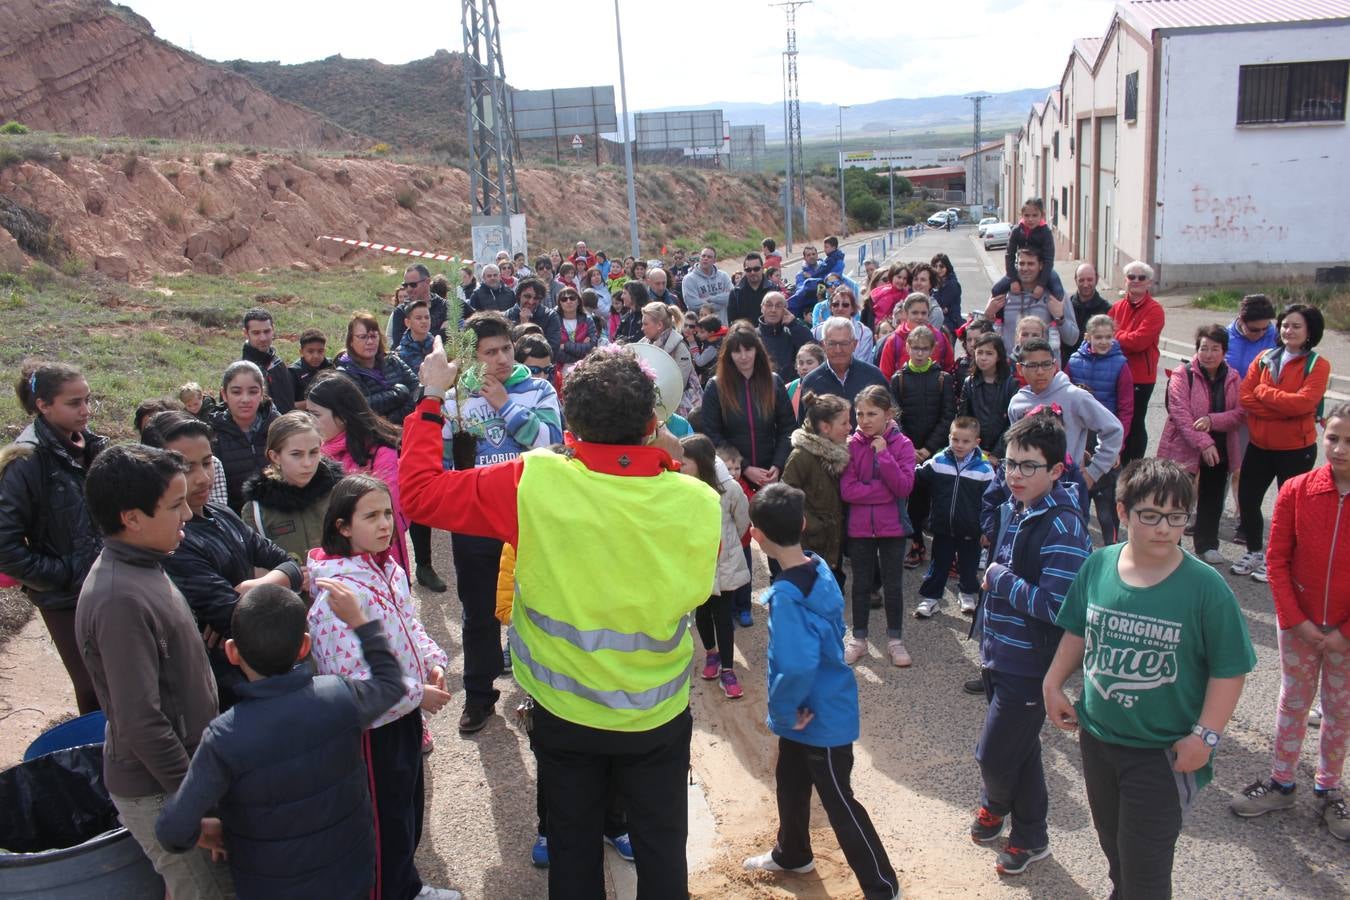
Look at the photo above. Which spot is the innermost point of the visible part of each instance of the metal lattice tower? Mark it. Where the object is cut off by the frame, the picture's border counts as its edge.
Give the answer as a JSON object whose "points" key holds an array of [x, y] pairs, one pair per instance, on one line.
{"points": [[796, 168], [975, 194], [492, 170]]}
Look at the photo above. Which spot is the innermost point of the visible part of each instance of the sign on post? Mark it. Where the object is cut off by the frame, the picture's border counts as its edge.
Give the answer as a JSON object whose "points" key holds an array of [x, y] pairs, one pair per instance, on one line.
{"points": [[577, 142]]}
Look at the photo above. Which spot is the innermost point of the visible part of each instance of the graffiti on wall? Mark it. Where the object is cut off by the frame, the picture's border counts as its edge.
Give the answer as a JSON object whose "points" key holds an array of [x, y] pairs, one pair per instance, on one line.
{"points": [[1229, 218]]}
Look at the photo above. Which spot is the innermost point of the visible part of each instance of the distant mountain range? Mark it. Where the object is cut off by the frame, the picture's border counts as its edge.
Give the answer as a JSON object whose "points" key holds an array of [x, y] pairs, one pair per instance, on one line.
{"points": [[908, 114]]}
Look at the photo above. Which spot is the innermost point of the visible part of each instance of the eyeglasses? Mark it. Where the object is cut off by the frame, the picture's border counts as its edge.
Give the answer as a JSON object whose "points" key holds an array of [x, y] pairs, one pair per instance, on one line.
{"points": [[838, 345], [1036, 366], [837, 304], [413, 284], [368, 336], [1024, 467], [754, 269], [1136, 278], [1153, 517], [546, 371]]}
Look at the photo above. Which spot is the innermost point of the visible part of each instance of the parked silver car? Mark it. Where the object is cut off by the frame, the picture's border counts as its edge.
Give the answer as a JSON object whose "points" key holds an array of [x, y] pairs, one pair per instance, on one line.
{"points": [[996, 235]]}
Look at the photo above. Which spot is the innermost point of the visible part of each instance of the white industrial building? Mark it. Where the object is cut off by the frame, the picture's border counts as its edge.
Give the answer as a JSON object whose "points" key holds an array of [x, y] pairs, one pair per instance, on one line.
{"points": [[1206, 137]]}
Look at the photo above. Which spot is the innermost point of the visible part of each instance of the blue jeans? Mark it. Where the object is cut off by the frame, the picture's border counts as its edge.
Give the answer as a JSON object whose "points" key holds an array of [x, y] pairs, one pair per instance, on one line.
{"points": [[1009, 754]]}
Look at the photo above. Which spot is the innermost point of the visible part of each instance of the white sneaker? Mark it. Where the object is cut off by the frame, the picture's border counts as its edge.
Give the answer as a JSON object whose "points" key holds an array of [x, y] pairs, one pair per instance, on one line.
{"points": [[765, 863], [854, 650], [1259, 573], [895, 649], [1213, 557], [1250, 563], [435, 893], [1315, 715], [969, 603], [927, 606]]}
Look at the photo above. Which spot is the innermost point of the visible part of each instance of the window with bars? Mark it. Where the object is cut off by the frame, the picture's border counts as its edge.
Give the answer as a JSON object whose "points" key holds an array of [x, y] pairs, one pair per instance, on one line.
{"points": [[1132, 97], [1292, 92], [1054, 140]]}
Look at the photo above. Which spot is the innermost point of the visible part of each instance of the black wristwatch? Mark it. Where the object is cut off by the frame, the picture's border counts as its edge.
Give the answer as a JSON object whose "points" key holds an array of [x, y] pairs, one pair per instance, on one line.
{"points": [[423, 392]]}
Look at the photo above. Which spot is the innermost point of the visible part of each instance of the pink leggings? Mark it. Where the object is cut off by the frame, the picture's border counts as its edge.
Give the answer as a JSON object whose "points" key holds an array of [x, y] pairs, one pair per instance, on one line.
{"points": [[1300, 665]]}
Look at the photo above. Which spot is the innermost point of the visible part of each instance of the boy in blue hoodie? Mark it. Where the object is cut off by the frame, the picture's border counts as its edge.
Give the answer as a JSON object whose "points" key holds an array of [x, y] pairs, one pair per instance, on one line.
{"points": [[1100, 366], [1041, 545], [813, 702]]}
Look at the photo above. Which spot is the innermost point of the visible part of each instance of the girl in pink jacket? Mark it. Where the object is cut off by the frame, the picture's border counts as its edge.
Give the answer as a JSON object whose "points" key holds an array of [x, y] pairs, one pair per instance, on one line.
{"points": [[876, 484]]}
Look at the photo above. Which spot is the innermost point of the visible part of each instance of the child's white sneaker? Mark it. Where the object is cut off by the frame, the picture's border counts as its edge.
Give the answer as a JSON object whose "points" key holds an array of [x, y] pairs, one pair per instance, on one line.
{"points": [[895, 648], [969, 602], [927, 606], [765, 863], [854, 650]]}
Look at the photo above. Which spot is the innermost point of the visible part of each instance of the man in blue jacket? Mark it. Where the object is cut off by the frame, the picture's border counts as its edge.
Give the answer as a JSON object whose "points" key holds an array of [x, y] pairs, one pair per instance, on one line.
{"points": [[284, 765], [813, 702]]}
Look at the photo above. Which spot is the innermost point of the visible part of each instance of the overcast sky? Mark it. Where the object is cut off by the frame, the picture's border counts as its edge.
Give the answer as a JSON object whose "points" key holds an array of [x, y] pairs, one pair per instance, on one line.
{"points": [[676, 51]]}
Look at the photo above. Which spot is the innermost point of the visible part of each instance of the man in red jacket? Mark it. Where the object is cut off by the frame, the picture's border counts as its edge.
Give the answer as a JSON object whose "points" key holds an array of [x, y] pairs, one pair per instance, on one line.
{"points": [[1139, 324]]}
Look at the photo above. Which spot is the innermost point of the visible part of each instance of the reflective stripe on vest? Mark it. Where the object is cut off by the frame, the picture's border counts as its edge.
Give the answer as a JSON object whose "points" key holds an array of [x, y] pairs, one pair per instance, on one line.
{"points": [[612, 699], [595, 639]]}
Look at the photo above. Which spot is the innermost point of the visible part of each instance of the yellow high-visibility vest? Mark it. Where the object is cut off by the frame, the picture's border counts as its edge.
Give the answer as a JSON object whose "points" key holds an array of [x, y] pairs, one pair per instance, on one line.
{"points": [[608, 571]]}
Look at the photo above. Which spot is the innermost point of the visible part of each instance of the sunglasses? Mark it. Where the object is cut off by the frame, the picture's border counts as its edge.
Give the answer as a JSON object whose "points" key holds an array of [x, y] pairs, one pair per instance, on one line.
{"points": [[413, 284], [754, 268], [546, 371], [1136, 278]]}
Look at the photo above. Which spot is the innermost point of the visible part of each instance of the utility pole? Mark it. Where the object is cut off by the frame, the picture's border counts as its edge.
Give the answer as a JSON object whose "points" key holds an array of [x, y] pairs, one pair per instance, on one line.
{"points": [[975, 194], [792, 118], [495, 203], [890, 171], [843, 217], [633, 244]]}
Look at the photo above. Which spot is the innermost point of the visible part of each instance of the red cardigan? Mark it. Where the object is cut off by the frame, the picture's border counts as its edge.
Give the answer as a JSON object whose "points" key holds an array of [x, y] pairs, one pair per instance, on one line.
{"points": [[1138, 329], [1308, 559]]}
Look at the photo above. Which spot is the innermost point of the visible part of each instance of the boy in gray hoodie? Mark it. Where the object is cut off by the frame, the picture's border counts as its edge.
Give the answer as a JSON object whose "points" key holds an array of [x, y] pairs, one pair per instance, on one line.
{"points": [[1079, 410]]}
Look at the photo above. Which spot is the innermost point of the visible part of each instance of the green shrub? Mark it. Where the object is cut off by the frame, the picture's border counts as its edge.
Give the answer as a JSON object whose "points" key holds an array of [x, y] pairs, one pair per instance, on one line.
{"points": [[221, 163], [12, 127], [406, 198], [73, 266]]}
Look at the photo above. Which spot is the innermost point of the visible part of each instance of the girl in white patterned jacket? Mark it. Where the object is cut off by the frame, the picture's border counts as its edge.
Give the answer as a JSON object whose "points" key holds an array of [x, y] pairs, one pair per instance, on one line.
{"points": [[356, 536]]}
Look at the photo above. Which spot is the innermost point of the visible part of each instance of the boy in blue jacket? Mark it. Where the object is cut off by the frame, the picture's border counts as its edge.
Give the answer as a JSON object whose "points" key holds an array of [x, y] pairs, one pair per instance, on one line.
{"points": [[1041, 544], [813, 702], [284, 765]]}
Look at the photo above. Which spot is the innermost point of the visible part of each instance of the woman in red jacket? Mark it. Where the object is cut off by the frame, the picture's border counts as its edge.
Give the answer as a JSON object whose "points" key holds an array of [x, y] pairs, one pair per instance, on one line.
{"points": [[1281, 392], [1139, 325], [1309, 565]]}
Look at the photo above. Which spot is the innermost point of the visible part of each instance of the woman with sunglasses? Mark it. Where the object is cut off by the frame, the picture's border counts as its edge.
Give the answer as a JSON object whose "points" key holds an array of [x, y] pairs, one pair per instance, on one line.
{"points": [[581, 333], [1139, 325], [845, 305]]}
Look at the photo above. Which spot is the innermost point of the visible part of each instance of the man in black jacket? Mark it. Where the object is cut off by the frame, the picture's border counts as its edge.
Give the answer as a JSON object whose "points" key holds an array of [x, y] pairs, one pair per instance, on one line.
{"points": [[748, 296], [417, 286], [783, 334], [215, 563], [657, 281], [492, 294], [1086, 304], [259, 333], [530, 293]]}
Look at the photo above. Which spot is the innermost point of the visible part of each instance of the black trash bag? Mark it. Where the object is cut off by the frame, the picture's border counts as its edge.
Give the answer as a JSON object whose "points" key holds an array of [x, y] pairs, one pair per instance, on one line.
{"points": [[55, 801]]}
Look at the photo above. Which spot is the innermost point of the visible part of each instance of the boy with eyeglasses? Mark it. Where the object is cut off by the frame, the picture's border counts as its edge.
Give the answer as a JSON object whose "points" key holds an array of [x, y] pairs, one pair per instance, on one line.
{"points": [[1164, 651], [1041, 544]]}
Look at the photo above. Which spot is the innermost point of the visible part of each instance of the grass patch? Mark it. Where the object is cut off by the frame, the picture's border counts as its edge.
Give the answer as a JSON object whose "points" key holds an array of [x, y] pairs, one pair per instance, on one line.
{"points": [[1333, 301], [12, 127]]}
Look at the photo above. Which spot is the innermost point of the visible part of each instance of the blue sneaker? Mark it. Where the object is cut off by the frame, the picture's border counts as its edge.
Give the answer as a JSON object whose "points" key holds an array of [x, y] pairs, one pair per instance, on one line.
{"points": [[539, 853], [622, 845], [745, 619]]}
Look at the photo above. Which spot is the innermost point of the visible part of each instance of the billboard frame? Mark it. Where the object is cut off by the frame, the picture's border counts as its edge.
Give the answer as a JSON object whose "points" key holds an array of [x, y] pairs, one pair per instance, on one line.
{"points": [[561, 113]]}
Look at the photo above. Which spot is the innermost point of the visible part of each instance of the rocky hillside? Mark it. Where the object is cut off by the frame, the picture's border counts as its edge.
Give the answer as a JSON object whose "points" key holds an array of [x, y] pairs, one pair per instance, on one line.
{"points": [[419, 104], [90, 67], [133, 216]]}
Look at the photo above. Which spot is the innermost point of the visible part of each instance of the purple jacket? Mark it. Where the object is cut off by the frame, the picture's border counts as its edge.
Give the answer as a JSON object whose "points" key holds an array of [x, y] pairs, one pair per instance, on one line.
{"points": [[1188, 400], [876, 485]]}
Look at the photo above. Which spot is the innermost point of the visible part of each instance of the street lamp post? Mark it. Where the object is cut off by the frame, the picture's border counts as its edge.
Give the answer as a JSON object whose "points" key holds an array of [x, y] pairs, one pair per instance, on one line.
{"points": [[634, 245], [890, 172], [843, 214]]}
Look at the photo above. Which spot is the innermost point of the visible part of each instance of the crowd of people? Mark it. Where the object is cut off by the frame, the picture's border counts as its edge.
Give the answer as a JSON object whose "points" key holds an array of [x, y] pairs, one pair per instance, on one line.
{"points": [[276, 662]]}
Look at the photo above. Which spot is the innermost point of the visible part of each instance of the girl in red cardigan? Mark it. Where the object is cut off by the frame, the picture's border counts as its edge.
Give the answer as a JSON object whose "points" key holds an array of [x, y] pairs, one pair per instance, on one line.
{"points": [[1309, 565]]}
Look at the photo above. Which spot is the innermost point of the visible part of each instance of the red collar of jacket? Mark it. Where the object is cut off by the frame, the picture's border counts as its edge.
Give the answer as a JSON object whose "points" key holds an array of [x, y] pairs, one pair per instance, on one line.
{"points": [[620, 459], [1321, 481]]}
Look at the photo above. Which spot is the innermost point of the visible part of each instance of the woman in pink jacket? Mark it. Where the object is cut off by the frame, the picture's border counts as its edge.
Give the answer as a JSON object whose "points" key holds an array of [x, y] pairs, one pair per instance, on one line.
{"points": [[876, 484], [1203, 431]]}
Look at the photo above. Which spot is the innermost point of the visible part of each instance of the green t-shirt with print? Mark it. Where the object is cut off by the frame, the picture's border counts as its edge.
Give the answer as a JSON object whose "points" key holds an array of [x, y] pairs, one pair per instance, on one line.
{"points": [[1150, 652]]}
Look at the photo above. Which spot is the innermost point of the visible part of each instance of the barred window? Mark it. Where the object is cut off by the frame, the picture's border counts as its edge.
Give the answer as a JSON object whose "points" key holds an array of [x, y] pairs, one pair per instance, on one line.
{"points": [[1292, 92], [1132, 97]]}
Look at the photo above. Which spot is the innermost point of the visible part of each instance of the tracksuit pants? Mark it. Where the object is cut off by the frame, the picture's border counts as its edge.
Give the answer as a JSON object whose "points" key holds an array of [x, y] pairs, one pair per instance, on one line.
{"points": [[1259, 468], [1136, 442], [394, 763], [966, 552], [476, 563], [828, 769], [1009, 754]]}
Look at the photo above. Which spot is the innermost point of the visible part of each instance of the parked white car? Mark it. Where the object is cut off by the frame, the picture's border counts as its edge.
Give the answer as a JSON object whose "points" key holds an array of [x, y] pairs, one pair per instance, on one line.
{"points": [[938, 219], [996, 235], [985, 223]]}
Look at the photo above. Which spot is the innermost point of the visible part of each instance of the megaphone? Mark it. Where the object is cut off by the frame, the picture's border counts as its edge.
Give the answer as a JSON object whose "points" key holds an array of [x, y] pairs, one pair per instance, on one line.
{"points": [[669, 379]]}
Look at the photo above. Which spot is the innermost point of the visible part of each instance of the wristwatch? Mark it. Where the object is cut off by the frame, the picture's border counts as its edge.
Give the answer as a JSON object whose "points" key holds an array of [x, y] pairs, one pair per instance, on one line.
{"points": [[1211, 738], [423, 392]]}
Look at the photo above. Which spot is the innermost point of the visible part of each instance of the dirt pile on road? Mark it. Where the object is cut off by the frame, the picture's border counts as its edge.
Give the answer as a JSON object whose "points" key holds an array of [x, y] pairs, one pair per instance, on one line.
{"points": [[91, 67], [133, 216]]}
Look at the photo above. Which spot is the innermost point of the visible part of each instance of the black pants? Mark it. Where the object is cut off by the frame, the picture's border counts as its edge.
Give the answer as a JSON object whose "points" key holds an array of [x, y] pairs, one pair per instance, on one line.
{"points": [[1259, 468], [863, 552], [1103, 495], [394, 760], [1009, 754], [715, 628], [1211, 487], [61, 627], [616, 821], [1138, 804], [827, 769], [745, 593], [919, 503], [421, 541], [649, 771], [1136, 442], [966, 552], [476, 563]]}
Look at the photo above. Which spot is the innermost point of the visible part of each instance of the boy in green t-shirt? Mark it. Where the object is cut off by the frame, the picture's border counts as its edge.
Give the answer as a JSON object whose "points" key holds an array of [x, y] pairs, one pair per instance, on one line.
{"points": [[1164, 651]]}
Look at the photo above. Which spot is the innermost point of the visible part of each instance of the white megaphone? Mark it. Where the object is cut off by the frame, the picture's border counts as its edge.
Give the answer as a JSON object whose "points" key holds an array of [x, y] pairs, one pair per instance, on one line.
{"points": [[669, 380]]}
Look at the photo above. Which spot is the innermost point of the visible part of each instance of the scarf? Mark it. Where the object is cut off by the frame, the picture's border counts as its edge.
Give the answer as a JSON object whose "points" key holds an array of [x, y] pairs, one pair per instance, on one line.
{"points": [[472, 379], [833, 457], [915, 369]]}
